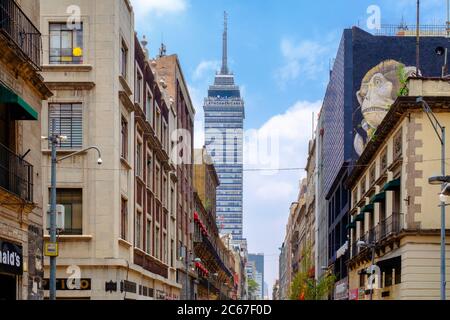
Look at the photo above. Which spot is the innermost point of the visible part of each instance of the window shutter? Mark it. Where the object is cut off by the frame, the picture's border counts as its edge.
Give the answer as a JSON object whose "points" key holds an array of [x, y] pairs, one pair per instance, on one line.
{"points": [[68, 122]]}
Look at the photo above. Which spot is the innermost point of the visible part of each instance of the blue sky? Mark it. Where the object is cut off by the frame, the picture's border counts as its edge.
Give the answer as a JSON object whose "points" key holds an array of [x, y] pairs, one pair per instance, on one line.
{"points": [[280, 52]]}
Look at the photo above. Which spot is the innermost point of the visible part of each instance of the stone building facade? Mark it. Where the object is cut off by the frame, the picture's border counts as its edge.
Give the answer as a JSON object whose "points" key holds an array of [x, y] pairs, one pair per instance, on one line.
{"points": [[394, 209], [118, 234], [21, 93]]}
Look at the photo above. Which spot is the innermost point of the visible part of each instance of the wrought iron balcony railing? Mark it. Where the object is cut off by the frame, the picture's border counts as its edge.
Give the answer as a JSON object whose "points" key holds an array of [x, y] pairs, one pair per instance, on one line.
{"points": [[386, 228], [15, 25], [16, 175]]}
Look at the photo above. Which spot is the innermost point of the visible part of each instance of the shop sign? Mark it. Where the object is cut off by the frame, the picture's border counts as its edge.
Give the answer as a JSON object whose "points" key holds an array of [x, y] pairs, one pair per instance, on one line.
{"points": [[11, 258], [69, 284]]}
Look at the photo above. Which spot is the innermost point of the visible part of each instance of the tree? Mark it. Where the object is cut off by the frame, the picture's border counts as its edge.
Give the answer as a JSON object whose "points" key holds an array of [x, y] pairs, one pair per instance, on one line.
{"points": [[305, 286], [253, 287]]}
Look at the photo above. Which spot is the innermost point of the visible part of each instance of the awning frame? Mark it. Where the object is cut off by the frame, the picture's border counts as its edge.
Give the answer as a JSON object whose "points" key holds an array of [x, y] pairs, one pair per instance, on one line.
{"points": [[21, 110]]}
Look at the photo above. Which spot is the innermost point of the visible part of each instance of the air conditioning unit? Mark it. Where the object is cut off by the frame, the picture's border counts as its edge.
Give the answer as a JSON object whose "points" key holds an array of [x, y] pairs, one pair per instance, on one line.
{"points": [[59, 217]]}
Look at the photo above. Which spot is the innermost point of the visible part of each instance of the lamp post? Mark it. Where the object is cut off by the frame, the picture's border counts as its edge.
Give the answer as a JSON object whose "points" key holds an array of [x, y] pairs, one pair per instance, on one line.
{"points": [[442, 180], [55, 139]]}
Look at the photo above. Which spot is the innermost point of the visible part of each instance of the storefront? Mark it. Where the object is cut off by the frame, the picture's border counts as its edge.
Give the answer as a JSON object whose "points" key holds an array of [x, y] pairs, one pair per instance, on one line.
{"points": [[11, 269]]}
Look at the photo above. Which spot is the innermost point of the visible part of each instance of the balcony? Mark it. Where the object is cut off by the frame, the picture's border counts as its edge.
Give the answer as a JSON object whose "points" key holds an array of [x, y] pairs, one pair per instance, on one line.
{"points": [[384, 231], [150, 264], [20, 32], [16, 175]]}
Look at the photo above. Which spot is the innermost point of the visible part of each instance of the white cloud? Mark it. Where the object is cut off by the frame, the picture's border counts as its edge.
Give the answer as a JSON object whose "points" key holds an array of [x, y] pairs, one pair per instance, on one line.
{"points": [[205, 68], [197, 100], [307, 59], [267, 198], [143, 7]]}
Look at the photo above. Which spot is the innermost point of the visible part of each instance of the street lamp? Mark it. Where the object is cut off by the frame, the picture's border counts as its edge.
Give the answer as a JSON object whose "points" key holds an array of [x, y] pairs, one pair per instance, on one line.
{"points": [[445, 194], [442, 180], [55, 139], [372, 246]]}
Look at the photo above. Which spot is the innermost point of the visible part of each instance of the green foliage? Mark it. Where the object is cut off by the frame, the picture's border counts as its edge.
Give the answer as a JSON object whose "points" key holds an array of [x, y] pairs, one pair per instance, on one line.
{"points": [[253, 286], [403, 79], [305, 286]]}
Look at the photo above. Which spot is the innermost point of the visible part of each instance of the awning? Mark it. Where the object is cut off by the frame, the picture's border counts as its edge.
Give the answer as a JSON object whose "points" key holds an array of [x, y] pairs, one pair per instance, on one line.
{"points": [[20, 110], [351, 225], [380, 197], [368, 208], [360, 217], [392, 185]]}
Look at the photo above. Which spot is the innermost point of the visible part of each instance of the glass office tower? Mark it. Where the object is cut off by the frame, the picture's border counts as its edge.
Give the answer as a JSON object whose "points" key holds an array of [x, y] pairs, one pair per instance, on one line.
{"points": [[224, 124]]}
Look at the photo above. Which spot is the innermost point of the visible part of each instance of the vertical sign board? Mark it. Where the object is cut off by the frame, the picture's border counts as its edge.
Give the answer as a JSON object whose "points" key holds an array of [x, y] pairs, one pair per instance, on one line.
{"points": [[11, 258]]}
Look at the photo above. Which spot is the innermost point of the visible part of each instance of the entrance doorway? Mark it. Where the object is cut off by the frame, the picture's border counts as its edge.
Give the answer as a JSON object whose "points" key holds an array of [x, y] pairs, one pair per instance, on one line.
{"points": [[8, 289]]}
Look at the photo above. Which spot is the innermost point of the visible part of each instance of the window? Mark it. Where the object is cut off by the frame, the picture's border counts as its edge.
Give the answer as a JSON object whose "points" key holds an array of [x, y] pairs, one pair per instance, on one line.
{"points": [[68, 120], [172, 249], [124, 139], [383, 161], [123, 60], [172, 202], [157, 243], [138, 84], [363, 187], [158, 182], [139, 159], [149, 108], [164, 140], [124, 219], [372, 175], [362, 280], [158, 123], [138, 230], [148, 236], [72, 201], [66, 44], [398, 145], [149, 170], [165, 248], [164, 192]]}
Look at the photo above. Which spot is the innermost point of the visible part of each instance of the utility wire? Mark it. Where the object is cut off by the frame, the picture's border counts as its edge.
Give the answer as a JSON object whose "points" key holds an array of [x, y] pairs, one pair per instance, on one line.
{"points": [[99, 168]]}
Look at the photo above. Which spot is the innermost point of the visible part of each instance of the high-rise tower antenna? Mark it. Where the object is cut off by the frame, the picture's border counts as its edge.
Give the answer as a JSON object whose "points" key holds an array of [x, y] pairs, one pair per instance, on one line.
{"points": [[225, 45]]}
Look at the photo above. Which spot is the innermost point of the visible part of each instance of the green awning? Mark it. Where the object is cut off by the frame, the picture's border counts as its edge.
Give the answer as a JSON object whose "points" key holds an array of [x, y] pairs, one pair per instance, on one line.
{"points": [[360, 217], [378, 198], [351, 225], [20, 110], [368, 208], [392, 185]]}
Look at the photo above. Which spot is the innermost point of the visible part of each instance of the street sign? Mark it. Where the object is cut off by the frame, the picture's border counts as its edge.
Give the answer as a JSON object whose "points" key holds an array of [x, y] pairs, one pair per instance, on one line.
{"points": [[51, 249]]}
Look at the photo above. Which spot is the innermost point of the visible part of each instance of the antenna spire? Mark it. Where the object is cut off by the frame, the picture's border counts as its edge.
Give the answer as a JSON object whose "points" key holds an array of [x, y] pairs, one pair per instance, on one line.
{"points": [[225, 46]]}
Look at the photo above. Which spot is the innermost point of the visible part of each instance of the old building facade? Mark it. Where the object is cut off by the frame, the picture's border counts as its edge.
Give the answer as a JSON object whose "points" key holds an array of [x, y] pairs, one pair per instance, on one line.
{"points": [[21, 93], [208, 246], [394, 209], [170, 74], [118, 216]]}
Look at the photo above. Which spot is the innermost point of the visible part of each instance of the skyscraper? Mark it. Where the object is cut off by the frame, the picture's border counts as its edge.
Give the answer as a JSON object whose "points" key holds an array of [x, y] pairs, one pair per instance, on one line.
{"points": [[224, 124], [258, 260]]}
